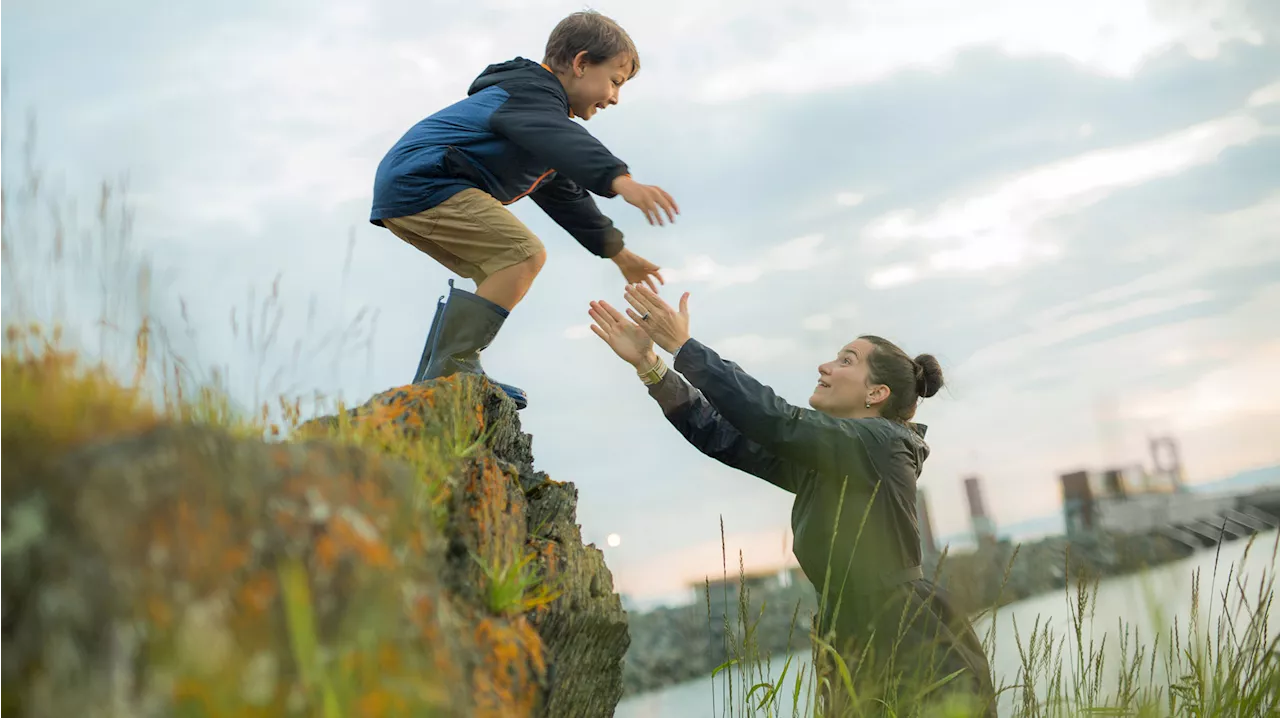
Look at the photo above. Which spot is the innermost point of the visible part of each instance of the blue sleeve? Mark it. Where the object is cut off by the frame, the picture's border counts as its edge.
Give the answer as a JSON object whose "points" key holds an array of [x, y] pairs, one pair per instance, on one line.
{"points": [[809, 438], [699, 423], [536, 117], [569, 205]]}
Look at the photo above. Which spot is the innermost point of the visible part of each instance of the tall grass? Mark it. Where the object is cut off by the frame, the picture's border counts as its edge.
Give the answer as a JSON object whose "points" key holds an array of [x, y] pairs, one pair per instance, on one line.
{"points": [[1223, 661], [77, 280]]}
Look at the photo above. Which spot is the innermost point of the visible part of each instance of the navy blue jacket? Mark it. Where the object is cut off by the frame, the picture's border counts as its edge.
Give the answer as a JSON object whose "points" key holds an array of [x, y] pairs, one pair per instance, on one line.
{"points": [[512, 136]]}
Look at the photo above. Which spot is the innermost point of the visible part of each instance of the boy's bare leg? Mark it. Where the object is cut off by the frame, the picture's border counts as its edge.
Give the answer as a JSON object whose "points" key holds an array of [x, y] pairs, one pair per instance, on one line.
{"points": [[506, 287]]}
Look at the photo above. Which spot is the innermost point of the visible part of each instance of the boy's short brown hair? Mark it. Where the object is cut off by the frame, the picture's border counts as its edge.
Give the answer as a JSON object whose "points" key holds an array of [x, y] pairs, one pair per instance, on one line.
{"points": [[601, 38]]}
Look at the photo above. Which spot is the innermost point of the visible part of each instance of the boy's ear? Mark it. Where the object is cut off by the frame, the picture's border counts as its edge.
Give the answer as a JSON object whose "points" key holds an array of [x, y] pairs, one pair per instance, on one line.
{"points": [[580, 63]]}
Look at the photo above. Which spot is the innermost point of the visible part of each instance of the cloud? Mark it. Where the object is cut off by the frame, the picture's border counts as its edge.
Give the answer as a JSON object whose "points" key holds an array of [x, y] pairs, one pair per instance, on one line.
{"points": [[838, 314], [858, 44], [892, 276], [1191, 377], [1005, 226], [849, 199], [1191, 274], [794, 255], [578, 331], [754, 349], [1054, 327], [817, 322], [1263, 96], [1239, 388]]}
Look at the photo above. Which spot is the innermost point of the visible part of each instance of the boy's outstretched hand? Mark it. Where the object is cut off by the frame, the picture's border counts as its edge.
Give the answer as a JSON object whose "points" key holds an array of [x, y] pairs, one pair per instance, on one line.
{"points": [[650, 199], [637, 269]]}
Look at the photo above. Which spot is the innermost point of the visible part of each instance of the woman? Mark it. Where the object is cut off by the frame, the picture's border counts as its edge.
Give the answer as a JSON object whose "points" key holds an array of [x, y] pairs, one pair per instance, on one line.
{"points": [[852, 462]]}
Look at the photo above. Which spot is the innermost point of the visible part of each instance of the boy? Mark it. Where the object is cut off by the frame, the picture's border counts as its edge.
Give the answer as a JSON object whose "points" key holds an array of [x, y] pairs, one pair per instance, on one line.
{"points": [[442, 188]]}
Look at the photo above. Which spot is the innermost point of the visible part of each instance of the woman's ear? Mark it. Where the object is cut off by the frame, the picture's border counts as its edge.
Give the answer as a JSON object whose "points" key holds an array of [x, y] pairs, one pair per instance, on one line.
{"points": [[878, 394]]}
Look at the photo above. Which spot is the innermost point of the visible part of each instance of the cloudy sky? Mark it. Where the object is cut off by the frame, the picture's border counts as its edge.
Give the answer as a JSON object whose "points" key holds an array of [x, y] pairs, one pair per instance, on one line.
{"points": [[1074, 205]]}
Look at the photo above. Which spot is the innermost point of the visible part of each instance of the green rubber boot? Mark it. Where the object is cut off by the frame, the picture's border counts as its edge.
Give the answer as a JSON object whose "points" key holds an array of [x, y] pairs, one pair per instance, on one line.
{"points": [[465, 328]]}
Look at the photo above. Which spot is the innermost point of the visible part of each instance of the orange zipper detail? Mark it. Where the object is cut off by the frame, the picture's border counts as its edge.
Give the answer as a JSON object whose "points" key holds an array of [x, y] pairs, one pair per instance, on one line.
{"points": [[532, 188]]}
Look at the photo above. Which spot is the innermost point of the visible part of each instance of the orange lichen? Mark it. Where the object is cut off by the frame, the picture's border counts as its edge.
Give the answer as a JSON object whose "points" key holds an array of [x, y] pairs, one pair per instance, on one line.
{"points": [[491, 510], [370, 549], [234, 559], [189, 691], [280, 459], [376, 704], [342, 540], [548, 553], [372, 496], [191, 538], [507, 681], [389, 659], [326, 551], [159, 612], [257, 592]]}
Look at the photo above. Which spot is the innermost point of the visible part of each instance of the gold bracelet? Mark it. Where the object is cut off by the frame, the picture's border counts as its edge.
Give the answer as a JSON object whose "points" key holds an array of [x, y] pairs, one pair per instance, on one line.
{"points": [[654, 375]]}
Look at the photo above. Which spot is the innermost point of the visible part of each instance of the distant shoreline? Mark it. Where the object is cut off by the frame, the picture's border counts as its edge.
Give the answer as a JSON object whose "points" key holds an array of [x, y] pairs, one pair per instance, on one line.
{"points": [[661, 655]]}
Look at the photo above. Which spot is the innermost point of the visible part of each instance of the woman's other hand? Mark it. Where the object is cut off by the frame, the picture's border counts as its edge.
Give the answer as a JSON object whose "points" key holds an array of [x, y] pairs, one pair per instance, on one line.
{"points": [[627, 340], [667, 327]]}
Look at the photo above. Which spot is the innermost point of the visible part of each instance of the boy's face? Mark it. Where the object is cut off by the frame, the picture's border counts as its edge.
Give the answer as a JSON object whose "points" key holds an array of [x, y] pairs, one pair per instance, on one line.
{"points": [[592, 88]]}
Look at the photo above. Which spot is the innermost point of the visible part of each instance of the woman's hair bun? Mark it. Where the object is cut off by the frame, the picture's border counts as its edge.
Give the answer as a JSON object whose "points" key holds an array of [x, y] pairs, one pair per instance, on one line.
{"points": [[928, 375]]}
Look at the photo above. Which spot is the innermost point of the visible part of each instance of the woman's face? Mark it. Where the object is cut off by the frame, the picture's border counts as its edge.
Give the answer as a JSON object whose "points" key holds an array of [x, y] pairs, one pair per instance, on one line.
{"points": [[843, 389]]}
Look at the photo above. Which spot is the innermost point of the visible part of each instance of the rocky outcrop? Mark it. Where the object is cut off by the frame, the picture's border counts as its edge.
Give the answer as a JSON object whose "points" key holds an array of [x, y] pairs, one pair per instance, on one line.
{"points": [[579, 619], [401, 559]]}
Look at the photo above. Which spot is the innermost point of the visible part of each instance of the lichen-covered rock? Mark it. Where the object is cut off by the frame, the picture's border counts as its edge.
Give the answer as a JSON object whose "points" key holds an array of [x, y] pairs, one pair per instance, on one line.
{"points": [[508, 512], [403, 559], [585, 629], [186, 572]]}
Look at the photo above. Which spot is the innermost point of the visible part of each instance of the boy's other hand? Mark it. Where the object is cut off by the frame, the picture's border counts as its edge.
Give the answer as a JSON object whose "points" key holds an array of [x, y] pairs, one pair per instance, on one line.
{"points": [[637, 269], [650, 199]]}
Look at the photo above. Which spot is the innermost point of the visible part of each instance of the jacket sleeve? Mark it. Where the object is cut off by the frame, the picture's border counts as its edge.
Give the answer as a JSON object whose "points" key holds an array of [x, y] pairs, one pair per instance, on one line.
{"points": [[809, 438], [573, 209], [536, 117], [694, 417]]}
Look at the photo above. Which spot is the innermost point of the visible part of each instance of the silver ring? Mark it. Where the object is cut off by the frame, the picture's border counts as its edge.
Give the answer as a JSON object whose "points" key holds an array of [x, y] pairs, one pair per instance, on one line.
{"points": [[645, 318]]}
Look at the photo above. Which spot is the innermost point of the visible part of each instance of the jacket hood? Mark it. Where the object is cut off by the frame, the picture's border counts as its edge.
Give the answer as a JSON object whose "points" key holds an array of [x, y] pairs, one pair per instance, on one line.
{"points": [[914, 438], [516, 69]]}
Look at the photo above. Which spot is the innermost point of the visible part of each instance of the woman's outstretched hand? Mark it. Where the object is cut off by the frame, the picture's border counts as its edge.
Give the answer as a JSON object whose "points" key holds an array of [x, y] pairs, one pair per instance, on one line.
{"points": [[667, 327], [627, 340]]}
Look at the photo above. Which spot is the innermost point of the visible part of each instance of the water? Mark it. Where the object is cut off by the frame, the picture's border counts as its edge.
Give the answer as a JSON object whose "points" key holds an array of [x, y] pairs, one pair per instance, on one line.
{"points": [[1147, 603]]}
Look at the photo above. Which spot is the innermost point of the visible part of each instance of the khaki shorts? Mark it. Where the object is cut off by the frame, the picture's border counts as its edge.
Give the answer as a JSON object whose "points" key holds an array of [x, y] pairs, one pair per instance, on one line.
{"points": [[471, 233]]}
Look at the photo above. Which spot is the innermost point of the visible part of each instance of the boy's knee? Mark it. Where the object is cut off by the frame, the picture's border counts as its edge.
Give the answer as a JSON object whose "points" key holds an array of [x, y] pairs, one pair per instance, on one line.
{"points": [[537, 259], [532, 264], [523, 270]]}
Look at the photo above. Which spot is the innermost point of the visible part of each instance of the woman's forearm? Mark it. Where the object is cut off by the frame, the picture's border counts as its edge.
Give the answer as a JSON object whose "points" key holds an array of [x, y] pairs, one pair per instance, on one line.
{"points": [[696, 419], [804, 436]]}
